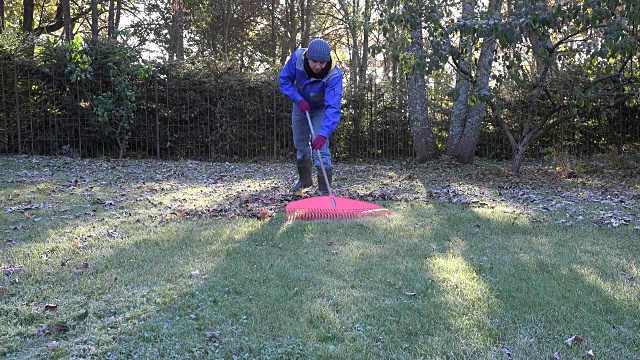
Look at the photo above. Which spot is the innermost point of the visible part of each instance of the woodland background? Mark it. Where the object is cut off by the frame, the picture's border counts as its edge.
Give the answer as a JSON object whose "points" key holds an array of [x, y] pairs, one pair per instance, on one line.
{"points": [[198, 78]]}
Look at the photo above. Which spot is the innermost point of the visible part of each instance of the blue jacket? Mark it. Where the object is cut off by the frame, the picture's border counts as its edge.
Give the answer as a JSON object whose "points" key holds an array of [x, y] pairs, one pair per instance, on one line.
{"points": [[325, 92]]}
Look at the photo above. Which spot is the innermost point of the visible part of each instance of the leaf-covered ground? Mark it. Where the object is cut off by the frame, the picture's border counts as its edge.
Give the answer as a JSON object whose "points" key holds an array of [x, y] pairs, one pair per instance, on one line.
{"points": [[606, 196]]}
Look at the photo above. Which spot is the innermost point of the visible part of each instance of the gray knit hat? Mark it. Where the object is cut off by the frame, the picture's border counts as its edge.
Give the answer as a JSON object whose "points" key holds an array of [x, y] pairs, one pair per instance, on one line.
{"points": [[319, 50]]}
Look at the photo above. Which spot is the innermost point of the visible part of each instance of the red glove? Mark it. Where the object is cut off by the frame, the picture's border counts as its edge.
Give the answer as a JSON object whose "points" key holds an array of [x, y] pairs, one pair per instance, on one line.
{"points": [[318, 142], [304, 106]]}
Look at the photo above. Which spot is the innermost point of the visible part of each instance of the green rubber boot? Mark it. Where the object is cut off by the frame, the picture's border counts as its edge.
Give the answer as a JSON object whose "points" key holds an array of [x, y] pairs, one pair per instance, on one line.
{"points": [[322, 185], [305, 180]]}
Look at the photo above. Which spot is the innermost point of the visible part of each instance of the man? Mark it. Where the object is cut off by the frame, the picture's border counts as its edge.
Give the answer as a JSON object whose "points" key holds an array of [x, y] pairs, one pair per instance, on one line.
{"points": [[311, 79]]}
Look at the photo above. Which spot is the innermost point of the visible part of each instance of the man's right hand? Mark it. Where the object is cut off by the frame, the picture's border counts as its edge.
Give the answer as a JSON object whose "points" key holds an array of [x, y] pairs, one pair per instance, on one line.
{"points": [[303, 105]]}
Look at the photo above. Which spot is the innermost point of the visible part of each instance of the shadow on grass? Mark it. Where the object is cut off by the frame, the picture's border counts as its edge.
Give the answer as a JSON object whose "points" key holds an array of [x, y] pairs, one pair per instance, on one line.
{"points": [[345, 290], [482, 282]]}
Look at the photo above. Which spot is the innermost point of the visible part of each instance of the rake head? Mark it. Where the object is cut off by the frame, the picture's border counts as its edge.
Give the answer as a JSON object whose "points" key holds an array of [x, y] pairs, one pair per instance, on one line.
{"points": [[332, 208]]}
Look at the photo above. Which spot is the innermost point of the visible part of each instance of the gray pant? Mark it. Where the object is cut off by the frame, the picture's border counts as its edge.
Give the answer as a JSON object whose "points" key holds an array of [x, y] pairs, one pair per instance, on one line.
{"points": [[302, 136]]}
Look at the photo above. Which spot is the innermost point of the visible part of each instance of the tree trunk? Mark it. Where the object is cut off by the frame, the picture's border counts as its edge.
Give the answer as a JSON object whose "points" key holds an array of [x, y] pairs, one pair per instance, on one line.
{"points": [[116, 24], [94, 19], [4, 141], [292, 28], [464, 151], [305, 22], [459, 113], [540, 45], [424, 144], [66, 19], [518, 153], [1, 16], [179, 29], [110, 19], [274, 46], [460, 108], [17, 97], [27, 16]]}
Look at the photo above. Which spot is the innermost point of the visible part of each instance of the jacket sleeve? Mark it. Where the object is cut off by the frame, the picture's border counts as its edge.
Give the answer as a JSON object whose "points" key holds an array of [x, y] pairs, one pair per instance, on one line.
{"points": [[332, 100], [287, 80]]}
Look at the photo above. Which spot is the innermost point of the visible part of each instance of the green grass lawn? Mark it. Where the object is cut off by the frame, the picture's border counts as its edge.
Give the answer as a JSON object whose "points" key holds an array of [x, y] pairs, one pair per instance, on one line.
{"points": [[433, 281]]}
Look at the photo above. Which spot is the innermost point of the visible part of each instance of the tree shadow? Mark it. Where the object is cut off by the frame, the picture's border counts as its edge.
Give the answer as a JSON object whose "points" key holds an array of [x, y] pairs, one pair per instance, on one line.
{"points": [[407, 286]]}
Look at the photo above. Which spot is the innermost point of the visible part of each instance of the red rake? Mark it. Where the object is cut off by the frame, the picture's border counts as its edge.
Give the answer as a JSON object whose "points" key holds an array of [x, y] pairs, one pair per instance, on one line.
{"points": [[331, 207]]}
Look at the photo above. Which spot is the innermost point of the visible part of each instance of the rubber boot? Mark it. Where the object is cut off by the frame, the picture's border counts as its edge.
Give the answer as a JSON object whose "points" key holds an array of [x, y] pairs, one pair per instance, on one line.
{"points": [[322, 185], [305, 180]]}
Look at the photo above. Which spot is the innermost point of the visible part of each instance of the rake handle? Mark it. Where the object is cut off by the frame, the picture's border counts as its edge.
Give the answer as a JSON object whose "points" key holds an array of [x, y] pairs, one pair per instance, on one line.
{"points": [[324, 172]]}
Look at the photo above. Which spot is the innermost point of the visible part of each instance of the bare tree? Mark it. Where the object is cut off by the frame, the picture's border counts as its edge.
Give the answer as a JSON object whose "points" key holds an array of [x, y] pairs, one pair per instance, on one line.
{"points": [[424, 145]]}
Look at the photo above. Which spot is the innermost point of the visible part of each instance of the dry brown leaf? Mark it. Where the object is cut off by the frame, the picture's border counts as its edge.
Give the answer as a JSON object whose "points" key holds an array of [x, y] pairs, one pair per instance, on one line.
{"points": [[575, 338], [61, 328], [84, 266], [2, 290], [50, 307], [264, 213]]}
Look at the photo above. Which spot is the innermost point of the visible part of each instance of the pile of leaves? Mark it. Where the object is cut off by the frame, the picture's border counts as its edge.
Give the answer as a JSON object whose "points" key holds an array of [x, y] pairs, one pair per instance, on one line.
{"points": [[169, 190]]}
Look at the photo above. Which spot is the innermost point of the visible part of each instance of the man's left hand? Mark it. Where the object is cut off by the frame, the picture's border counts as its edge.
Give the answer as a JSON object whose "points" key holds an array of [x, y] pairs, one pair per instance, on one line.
{"points": [[318, 142]]}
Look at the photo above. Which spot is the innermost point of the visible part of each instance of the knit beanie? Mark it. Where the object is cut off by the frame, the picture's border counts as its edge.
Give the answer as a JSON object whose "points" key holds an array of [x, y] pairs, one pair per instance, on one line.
{"points": [[318, 50]]}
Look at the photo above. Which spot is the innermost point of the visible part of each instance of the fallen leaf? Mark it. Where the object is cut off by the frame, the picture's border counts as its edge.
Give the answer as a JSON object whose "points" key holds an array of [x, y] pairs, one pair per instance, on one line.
{"points": [[84, 266], [408, 293], [264, 213], [61, 328], [16, 228], [590, 355], [576, 339], [11, 269], [50, 307], [212, 335], [42, 329], [2, 290]]}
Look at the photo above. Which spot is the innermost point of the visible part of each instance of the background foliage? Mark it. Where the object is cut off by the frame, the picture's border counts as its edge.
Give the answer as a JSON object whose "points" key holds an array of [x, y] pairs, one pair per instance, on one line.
{"points": [[198, 79]]}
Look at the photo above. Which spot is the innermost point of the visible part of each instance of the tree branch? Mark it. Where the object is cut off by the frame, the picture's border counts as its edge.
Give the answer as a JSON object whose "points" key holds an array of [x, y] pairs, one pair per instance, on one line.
{"points": [[59, 23]]}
